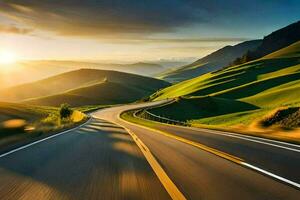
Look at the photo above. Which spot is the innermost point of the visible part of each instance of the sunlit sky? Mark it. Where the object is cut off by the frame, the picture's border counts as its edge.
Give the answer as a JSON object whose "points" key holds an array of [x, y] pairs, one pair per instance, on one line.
{"points": [[135, 30]]}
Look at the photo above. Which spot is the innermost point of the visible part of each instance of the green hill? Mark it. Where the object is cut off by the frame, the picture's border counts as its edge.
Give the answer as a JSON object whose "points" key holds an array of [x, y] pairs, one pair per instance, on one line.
{"points": [[262, 85], [78, 79], [215, 61]]}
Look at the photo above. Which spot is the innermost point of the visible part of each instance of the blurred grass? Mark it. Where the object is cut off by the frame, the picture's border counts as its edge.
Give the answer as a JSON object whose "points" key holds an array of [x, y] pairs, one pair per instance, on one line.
{"points": [[91, 108], [19, 122]]}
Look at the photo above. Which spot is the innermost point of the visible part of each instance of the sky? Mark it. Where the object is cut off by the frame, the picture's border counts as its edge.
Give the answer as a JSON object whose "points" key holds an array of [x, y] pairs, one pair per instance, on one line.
{"points": [[135, 30]]}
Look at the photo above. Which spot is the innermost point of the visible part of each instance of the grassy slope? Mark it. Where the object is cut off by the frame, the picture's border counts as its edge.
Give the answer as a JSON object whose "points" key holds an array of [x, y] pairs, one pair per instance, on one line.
{"points": [[264, 84], [212, 62], [84, 83], [19, 111]]}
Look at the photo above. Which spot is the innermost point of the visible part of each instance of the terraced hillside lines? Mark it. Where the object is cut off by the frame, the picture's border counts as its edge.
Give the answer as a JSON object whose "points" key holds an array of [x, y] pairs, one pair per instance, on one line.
{"points": [[260, 85], [212, 62], [243, 81], [84, 84]]}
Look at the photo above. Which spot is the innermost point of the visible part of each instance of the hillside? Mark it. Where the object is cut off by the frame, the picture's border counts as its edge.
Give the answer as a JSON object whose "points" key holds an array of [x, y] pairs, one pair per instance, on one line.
{"points": [[104, 93], [273, 42], [212, 62], [86, 80], [46, 68], [257, 87]]}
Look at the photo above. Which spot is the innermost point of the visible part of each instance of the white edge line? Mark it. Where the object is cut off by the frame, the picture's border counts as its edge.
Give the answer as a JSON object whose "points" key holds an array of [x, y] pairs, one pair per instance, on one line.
{"points": [[239, 136], [295, 184], [246, 136], [229, 134], [272, 175], [42, 140], [257, 141]]}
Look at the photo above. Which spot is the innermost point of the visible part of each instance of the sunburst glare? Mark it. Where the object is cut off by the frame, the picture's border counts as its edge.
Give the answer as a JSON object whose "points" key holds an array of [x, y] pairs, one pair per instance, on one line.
{"points": [[7, 57]]}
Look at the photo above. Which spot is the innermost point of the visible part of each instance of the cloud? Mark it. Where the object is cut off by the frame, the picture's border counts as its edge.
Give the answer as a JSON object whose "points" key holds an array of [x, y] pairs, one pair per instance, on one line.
{"points": [[183, 41], [192, 40], [11, 29], [132, 18], [106, 17]]}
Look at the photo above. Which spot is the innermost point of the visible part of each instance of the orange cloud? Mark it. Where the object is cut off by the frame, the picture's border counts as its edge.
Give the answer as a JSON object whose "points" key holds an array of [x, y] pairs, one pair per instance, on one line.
{"points": [[12, 29]]}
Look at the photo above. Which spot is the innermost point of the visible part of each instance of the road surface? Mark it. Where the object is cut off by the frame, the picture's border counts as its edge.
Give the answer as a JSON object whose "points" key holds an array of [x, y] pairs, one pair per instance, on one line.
{"points": [[96, 161], [108, 158], [199, 174]]}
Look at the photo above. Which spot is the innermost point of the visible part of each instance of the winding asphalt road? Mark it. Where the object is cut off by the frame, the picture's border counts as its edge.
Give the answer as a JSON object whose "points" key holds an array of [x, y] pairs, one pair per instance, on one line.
{"points": [[109, 158], [201, 174]]}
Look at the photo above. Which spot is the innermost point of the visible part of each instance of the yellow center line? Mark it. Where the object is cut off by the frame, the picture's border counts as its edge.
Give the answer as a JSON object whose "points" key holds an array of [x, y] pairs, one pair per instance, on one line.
{"points": [[167, 183], [195, 144]]}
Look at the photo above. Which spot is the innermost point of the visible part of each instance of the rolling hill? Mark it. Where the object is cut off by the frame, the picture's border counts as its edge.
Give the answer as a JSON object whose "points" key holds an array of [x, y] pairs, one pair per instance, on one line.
{"points": [[238, 94], [83, 87], [104, 93], [46, 68], [212, 62]]}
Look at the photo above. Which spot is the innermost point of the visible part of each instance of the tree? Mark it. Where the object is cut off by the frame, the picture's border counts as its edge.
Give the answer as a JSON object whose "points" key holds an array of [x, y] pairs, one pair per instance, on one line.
{"points": [[65, 111]]}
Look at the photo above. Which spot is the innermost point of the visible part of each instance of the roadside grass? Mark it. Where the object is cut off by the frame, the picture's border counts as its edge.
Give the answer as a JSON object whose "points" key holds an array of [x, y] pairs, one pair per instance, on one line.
{"points": [[276, 133], [128, 116], [19, 122], [91, 108]]}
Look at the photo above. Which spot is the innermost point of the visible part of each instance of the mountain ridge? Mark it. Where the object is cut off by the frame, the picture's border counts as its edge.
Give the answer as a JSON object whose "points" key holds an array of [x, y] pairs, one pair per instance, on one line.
{"points": [[214, 61]]}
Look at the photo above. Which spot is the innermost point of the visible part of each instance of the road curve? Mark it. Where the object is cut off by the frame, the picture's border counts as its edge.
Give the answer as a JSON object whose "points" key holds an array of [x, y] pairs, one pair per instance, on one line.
{"points": [[200, 174], [105, 159]]}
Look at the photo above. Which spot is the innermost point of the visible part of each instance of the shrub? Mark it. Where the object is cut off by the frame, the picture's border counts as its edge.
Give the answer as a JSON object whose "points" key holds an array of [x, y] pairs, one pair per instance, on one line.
{"points": [[284, 117], [65, 111]]}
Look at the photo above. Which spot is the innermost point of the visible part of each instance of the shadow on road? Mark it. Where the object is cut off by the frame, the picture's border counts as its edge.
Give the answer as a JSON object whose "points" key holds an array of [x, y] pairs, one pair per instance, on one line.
{"points": [[97, 161]]}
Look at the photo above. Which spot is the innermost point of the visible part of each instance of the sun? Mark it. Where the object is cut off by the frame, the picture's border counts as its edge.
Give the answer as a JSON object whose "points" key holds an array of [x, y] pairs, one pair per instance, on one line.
{"points": [[7, 57]]}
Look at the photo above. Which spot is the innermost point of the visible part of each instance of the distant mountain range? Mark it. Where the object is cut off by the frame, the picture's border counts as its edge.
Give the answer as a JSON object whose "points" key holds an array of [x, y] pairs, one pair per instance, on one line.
{"points": [[47, 68], [215, 61], [84, 87]]}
